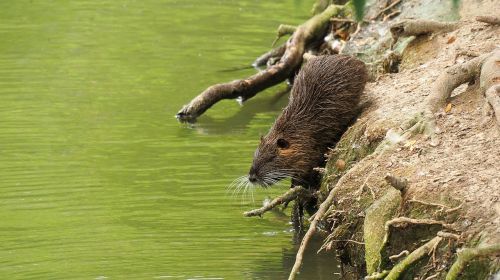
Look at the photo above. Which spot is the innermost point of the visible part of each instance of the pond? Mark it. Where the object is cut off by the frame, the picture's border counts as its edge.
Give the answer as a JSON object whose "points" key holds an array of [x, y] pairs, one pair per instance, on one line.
{"points": [[98, 180]]}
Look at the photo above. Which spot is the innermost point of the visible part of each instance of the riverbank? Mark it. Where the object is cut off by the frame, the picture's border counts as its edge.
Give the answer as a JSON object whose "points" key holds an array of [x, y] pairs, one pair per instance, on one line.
{"points": [[448, 179]]}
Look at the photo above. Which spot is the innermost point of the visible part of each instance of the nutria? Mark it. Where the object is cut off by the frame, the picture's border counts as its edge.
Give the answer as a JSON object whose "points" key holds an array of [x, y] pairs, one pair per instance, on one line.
{"points": [[323, 101]]}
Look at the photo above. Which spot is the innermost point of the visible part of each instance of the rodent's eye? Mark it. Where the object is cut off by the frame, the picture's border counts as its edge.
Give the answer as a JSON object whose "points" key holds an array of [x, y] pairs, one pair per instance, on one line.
{"points": [[282, 143]]}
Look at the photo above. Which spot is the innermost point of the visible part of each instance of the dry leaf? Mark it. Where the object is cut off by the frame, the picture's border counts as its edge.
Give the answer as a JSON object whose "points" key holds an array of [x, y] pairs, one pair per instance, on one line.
{"points": [[448, 108], [451, 39], [340, 164]]}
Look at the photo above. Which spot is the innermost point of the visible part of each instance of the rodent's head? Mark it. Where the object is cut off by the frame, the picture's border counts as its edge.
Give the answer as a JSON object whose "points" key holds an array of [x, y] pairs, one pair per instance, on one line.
{"points": [[279, 156]]}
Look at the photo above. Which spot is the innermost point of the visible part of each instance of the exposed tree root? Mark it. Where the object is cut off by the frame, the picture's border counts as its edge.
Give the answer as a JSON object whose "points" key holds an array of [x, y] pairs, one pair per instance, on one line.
{"points": [[398, 183], [283, 30], [441, 206], [468, 254], [290, 195], [402, 221], [398, 256], [493, 20], [323, 208], [416, 27], [249, 87], [273, 54], [377, 275], [451, 79], [414, 256], [446, 83], [448, 235], [493, 97]]}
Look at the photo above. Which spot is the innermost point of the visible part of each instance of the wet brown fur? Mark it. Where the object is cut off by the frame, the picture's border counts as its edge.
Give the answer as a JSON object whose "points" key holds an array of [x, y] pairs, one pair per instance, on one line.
{"points": [[323, 101]]}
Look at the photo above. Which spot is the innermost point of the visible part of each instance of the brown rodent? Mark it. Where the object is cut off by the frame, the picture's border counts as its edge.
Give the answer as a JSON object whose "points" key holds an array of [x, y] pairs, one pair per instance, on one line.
{"points": [[323, 101]]}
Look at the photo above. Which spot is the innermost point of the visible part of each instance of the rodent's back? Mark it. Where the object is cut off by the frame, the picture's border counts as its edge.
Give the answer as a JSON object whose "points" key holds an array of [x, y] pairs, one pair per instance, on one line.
{"points": [[324, 99], [325, 94]]}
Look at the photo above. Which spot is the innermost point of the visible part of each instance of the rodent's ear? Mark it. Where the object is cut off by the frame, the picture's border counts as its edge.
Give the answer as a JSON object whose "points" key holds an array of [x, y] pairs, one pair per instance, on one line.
{"points": [[282, 143]]}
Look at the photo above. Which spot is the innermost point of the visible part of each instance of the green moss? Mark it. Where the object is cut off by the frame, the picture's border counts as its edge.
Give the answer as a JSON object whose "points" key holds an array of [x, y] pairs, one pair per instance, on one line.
{"points": [[381, 211], [351, 148], [476, 269]]}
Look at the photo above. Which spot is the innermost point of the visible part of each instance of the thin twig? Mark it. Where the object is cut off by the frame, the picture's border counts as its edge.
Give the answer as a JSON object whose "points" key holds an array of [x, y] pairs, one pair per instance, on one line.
{"points": [[363, 186], [312, 229], [396, 257], [393, 4], [391, 15], [348, 240], [432, 276], [453, 209], [429, 203], [290, 195], [342, 20]]}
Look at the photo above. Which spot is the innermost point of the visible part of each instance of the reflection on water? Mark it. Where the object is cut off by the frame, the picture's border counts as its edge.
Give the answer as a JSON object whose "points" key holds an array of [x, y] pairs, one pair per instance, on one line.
{"points": [[97, 179]]}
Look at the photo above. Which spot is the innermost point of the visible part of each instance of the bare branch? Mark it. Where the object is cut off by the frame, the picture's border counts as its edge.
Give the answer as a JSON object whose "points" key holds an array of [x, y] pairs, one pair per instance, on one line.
{"points": [[290, 195], [249, 87]]}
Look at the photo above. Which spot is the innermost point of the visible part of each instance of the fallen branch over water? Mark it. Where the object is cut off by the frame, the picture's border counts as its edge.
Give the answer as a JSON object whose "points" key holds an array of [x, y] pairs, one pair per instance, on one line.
{"points": [[287, 65]]}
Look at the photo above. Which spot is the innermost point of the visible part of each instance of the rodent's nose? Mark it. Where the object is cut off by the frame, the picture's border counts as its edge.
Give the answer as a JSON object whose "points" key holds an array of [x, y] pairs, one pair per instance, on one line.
{"points": [[252, 177]]}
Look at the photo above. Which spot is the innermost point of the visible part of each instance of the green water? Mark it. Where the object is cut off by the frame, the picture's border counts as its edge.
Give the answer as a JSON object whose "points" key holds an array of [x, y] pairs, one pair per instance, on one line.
{"points": [[97, 178]]}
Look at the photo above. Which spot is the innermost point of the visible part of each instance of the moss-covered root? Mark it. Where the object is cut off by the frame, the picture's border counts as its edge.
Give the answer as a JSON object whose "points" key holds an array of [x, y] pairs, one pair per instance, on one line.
{"points": [[468, 254], [377, 275], [413, 257]]}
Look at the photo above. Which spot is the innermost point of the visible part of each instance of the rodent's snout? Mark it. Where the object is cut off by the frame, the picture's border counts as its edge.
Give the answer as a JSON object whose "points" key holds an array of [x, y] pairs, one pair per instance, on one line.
{"points": [[252, 176]]}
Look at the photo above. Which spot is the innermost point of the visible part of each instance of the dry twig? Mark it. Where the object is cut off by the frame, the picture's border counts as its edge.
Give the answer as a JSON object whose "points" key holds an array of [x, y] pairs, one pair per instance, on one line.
{"points": [[312, 229], [390, 6], [398, 256], [249, 87], [290, 195]]}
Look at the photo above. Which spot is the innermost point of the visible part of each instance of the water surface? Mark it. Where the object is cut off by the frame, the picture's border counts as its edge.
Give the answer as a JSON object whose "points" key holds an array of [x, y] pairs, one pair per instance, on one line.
{"points": [[97, 179]]}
